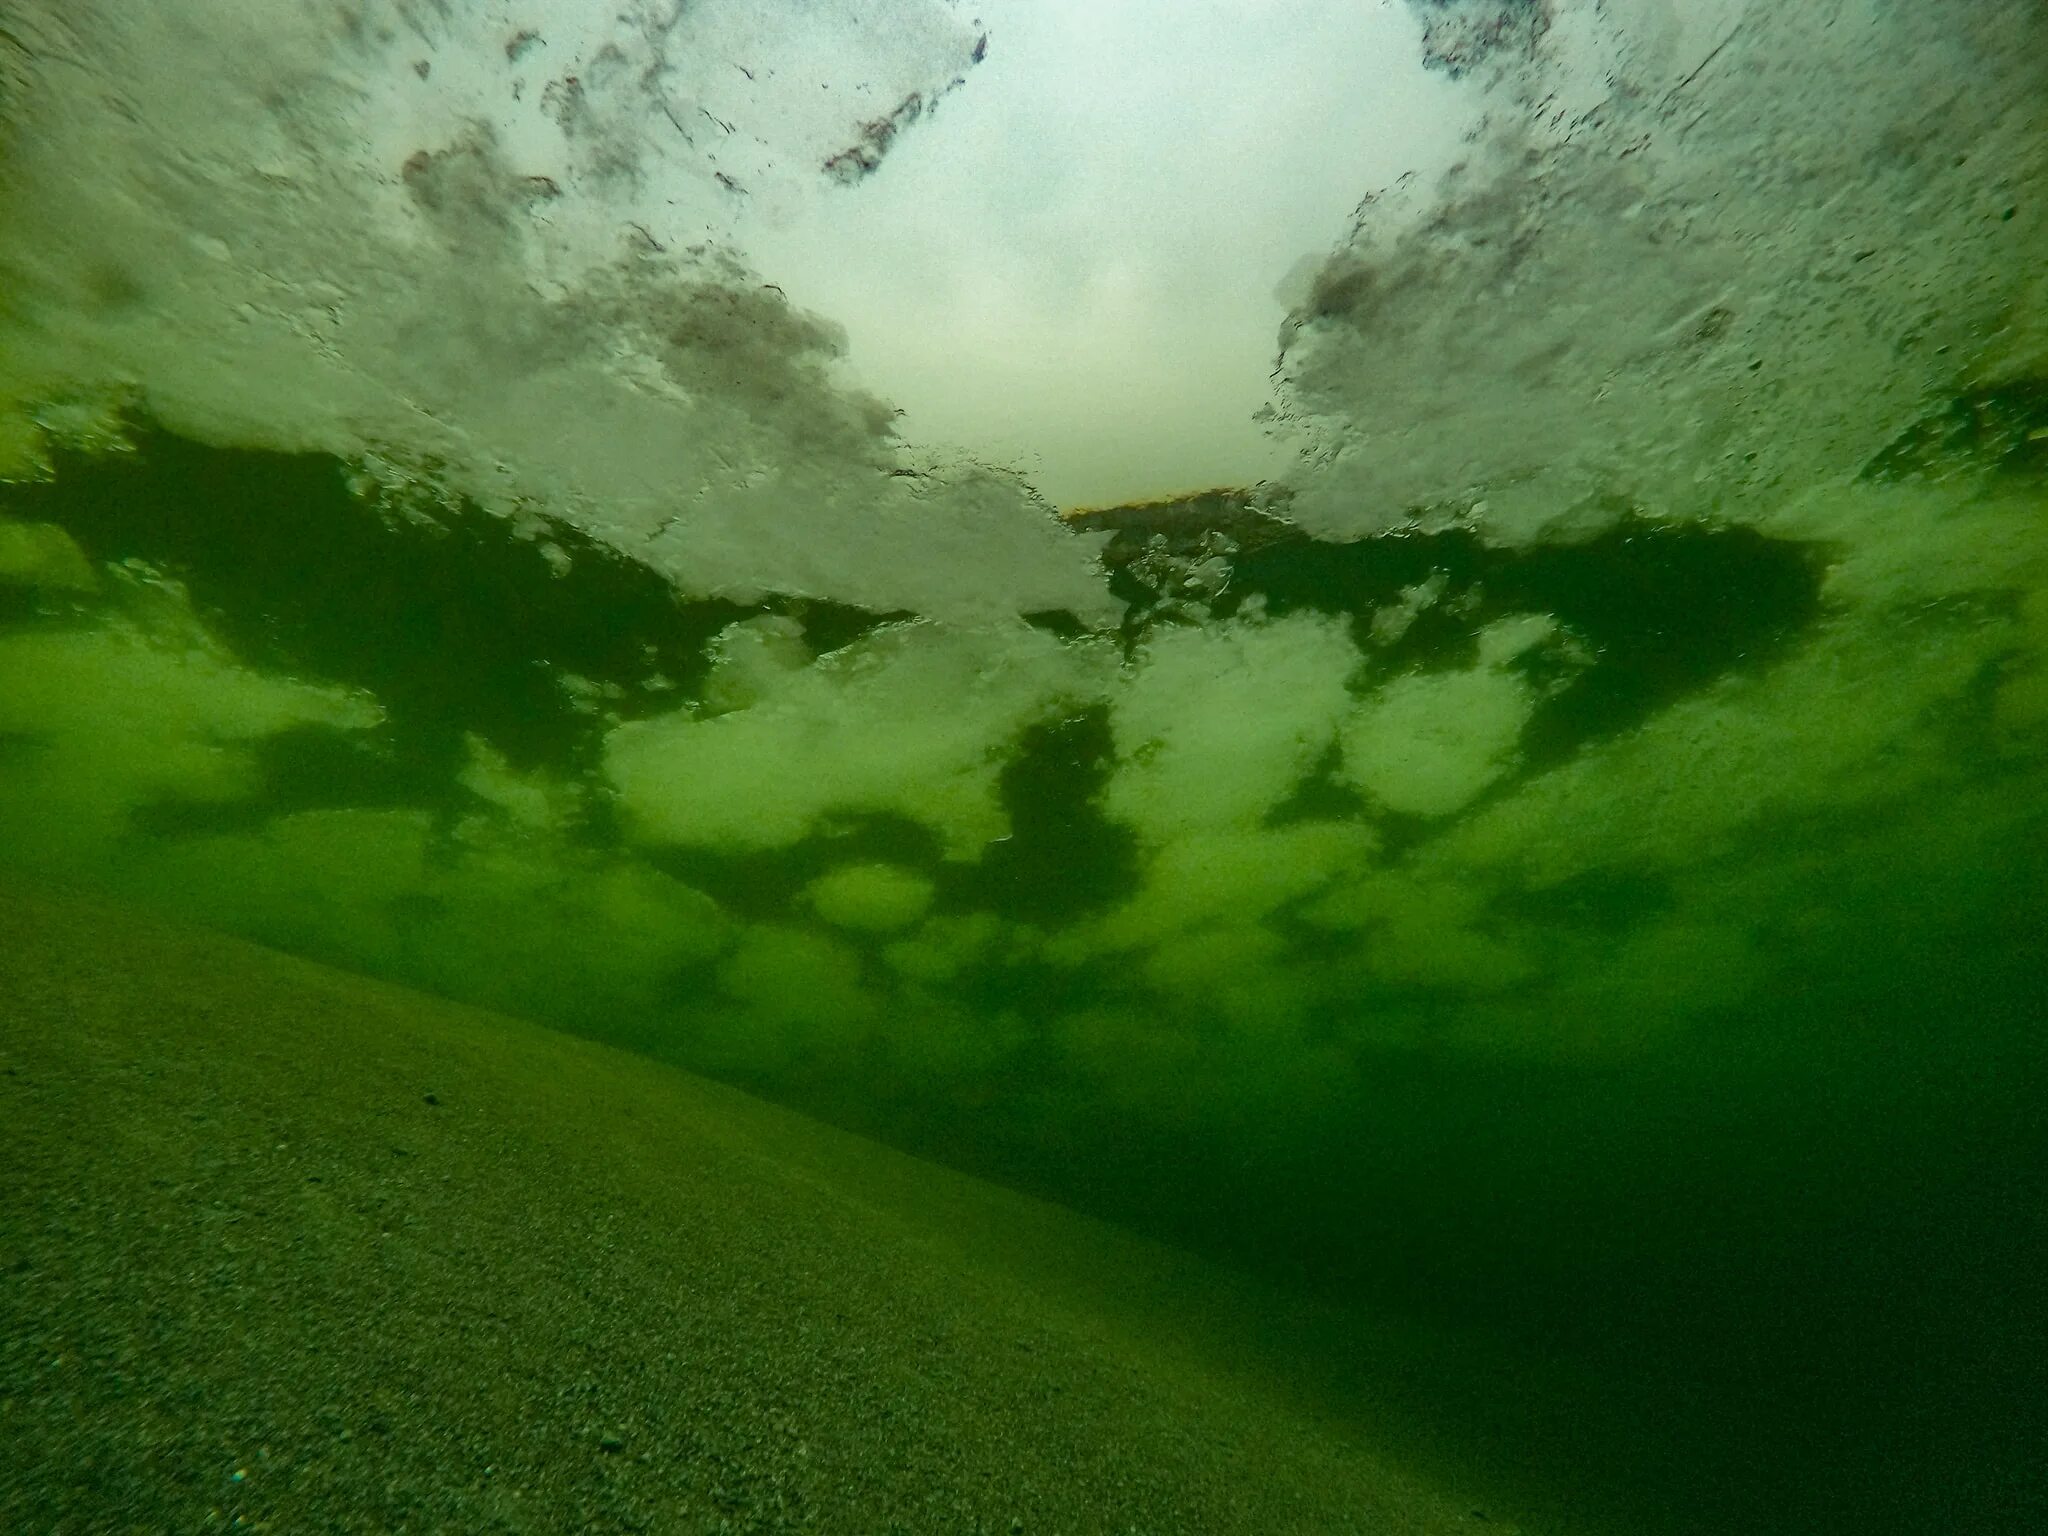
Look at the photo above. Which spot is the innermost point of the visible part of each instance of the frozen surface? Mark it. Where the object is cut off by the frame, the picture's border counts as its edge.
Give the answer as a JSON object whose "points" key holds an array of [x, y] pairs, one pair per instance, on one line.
{"points": [[862, 730], [395, 229], [1696, 258]]}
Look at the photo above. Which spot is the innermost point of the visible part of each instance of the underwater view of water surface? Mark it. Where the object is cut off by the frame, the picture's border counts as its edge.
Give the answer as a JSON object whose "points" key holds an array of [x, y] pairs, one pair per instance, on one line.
{"points": [[1119, 767]]}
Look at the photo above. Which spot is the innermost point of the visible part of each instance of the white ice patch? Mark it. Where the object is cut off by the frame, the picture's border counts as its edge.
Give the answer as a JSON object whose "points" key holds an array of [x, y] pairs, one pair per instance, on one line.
{"points": [[509, 266], [942, 947], [1214, 728], [913, 720], [1428, 744], [120, 717], [43, 555], [870, 898], [791, 976], [1226, 877], [1216, 725], [534, 801], [750, 659], [1698, 254], [1843, 722]]}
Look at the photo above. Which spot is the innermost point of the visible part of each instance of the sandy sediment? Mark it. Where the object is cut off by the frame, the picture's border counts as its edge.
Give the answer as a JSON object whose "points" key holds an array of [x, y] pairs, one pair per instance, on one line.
{"points": [[285, 1249]]}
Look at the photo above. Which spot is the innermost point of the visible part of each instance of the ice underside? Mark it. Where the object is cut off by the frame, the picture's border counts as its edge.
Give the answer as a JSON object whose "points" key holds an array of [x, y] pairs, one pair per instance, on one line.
{"points": [[414, 556]]}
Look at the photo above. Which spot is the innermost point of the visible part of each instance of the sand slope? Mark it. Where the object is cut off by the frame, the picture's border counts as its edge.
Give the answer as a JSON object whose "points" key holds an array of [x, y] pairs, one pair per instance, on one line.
{"points": [[283, 1249]]}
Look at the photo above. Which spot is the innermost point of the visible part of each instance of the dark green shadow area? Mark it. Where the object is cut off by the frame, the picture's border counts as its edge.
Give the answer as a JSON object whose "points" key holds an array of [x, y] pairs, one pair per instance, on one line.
{"points": [[20, 605], [1666, 611], [1321, 796], [457, 620], [1657, 611], [1784, 1272], [1063, 858], [1608, 901], [317, 768]]}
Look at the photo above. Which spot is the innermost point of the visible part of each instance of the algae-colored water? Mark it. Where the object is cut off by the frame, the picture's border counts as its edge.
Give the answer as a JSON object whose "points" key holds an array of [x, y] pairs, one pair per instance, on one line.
{"points": [[1544, 883]]}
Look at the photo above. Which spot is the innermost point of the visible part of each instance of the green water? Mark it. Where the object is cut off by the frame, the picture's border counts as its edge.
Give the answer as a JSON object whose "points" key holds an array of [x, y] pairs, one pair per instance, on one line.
{"points": [[1790, 1224], [1598, 903]]}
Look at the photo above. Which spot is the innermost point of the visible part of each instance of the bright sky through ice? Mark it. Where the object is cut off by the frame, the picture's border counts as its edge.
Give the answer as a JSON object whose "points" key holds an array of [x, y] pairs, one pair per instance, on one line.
{"points": [[1073, 267]]}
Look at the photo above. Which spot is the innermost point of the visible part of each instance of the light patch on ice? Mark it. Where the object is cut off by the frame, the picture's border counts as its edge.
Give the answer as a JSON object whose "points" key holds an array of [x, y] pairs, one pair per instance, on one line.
{"points": [[1899, 547], [532, 800], [2020, 709], [43, 555], [945, 946], [750, 659], [1840, 723], [1235, 971], [22, 449], [1505, 639], [911, 720], [652, 924], [1215, 726], [870, 898], [294, 240], [1390, 621], [792, 976], [118, 717], [1697, 255], [1420, 932], [1228, 876], [1429, 743]]}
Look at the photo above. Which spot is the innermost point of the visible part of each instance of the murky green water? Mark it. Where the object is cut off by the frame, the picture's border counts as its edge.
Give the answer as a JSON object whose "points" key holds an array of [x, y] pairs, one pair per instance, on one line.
{"points": [[1567, 860]]}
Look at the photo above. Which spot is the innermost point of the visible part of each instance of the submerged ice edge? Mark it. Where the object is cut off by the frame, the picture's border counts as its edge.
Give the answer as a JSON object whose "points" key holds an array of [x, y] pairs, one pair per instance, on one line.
{"points": [[278, 270], [1692, 262]]}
